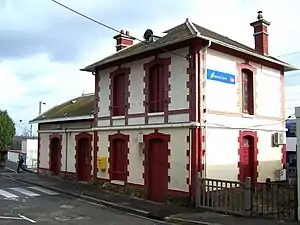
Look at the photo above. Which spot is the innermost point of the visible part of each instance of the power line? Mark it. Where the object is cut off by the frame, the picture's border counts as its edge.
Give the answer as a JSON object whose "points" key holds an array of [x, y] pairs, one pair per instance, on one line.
{"points": [[114, 29], [288, 54]]}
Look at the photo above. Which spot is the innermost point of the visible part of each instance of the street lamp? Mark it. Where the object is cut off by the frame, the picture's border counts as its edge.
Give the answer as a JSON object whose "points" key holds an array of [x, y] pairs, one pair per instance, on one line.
{"points": [[40, 106]]}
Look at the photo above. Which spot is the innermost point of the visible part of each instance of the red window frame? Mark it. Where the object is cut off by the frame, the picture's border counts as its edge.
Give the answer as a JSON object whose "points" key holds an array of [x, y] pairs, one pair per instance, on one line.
{"points": [[247, 92], [119, 94], [157, 87]]}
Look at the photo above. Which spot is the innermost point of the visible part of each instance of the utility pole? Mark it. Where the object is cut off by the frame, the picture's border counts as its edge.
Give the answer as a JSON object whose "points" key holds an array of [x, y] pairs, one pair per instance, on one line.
{"points": [[30, 130]]}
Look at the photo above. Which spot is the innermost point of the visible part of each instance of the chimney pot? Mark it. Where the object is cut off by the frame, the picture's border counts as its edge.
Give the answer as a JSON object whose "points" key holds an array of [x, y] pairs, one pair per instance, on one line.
{"points": [[123, 40], [261, 34], [259, 15]]}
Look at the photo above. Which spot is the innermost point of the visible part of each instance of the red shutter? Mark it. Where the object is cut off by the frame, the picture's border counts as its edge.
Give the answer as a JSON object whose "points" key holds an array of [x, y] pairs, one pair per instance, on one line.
{"points": [[161, 88], [156, 88], [119, 95]]}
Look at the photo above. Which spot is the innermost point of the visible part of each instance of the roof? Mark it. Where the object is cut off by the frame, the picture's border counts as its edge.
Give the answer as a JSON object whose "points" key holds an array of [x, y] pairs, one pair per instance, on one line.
{"points": [[73, 108], [180, 33]]}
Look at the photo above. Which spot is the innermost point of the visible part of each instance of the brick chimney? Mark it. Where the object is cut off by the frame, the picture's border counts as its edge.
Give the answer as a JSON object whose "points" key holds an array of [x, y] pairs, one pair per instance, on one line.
{"points": [[261, 34], [123, 40]]}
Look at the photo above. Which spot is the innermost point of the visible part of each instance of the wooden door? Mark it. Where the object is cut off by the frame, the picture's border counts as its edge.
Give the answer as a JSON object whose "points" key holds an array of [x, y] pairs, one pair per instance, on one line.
{"points": [[119, 160], [158, 170], [247, 164], [55, 156], [83, 160]]}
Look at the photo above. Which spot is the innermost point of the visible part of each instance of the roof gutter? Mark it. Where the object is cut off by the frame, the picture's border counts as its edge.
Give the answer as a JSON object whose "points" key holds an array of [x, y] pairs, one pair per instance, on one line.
{"points": [[62, 119]]}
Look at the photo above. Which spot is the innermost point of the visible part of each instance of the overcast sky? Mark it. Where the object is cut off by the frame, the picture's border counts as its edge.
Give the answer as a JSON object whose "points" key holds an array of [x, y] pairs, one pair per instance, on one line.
{"points": [[43, 46]]}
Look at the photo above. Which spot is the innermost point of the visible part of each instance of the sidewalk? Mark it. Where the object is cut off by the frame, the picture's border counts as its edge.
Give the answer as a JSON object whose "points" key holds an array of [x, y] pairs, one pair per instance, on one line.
{"points": [[169, 213], [98, 195]]}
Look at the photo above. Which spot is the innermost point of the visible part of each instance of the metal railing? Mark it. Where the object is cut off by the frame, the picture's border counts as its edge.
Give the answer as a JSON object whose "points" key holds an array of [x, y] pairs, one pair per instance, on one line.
{"points": [[268, 199]]}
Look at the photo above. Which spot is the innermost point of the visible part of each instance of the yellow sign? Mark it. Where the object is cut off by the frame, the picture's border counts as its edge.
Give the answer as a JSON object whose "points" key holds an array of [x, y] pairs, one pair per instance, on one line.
{"points": [[101, 161]]}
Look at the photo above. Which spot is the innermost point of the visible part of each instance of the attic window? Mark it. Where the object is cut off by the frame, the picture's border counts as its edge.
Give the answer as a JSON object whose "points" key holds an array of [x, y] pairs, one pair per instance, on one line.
{"points": [[65, 114], [73, 101]]}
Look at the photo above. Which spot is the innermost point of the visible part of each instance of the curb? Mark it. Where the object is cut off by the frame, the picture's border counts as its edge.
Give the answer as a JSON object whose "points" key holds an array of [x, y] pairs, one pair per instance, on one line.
{"points": [[187, 221], [91, 199]]}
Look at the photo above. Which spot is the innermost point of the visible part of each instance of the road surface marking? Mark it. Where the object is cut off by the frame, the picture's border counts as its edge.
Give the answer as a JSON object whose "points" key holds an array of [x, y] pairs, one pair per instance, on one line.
{"points": [[27, 219], [7, 194], [25, 192], [43, 190], [10, 218]]}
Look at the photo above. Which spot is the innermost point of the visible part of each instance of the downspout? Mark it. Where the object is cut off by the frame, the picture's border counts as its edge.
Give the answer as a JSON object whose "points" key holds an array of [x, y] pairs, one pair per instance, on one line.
{"points": [[66, 158], [202, 104], [197, 174]]}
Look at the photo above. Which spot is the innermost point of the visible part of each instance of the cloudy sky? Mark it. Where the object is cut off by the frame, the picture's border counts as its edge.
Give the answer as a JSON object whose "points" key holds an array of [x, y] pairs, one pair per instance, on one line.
{"points": [[43, 46]]}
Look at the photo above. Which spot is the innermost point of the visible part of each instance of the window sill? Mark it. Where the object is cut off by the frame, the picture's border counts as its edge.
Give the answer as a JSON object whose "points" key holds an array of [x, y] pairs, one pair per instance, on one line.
{"points": [[245, 115], [156, 114], [118, 182], [118, 117]]}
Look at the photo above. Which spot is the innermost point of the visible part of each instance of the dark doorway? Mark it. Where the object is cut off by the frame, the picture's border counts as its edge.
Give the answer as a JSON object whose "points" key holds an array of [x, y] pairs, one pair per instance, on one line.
{"points": [[55, 156]]}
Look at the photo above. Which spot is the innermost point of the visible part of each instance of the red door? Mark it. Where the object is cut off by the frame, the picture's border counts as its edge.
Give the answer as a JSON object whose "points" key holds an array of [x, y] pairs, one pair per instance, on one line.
{"points": [[83, 168], [158, 170], [247, 159], [55, 156], [119, 160]]}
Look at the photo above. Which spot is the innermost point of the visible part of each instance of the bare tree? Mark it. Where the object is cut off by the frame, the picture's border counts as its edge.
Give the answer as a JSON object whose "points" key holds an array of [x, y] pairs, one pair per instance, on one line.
{"points": [[26, 132]]}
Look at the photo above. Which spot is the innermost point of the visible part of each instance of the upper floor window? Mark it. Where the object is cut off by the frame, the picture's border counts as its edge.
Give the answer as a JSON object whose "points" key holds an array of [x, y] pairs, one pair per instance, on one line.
{"points": [[119, 94], [248, 92], [156, 88]]}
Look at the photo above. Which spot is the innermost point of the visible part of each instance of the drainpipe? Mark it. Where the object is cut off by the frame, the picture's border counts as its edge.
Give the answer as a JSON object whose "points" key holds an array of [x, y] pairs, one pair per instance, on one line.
{"points": [[203, 99], [66, 158]]}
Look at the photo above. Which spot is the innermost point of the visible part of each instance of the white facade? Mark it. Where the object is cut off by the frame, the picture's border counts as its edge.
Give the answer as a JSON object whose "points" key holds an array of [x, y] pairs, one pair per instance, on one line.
{"points": [[178, 159], [68, 152], [178, 92], [30, 148], [225, 118]]}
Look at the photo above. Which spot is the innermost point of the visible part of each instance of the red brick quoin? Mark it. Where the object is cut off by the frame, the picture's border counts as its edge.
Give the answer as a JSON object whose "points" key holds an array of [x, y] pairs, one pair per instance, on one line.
{"points": [[123, 159], [89, 137], [51, 137], [96, 114], [242, 173]]}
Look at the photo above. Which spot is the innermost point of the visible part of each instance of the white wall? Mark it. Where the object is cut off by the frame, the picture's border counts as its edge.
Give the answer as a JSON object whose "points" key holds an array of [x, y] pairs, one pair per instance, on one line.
{"points": [[225, 118], [291, 143], [13, 156], [178, 92], [30, 147], [226, 97], [178, 159], [68, 152]]}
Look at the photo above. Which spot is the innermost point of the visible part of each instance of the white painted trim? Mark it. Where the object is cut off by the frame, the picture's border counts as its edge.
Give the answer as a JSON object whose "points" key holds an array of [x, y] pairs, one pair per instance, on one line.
{"points": [[118, 182], [87, 117], [246, 128], [135, 127]]}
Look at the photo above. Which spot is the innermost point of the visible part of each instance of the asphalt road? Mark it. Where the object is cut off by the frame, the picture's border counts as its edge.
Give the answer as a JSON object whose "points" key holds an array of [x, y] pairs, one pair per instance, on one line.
{"points": [[22, 204]]}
